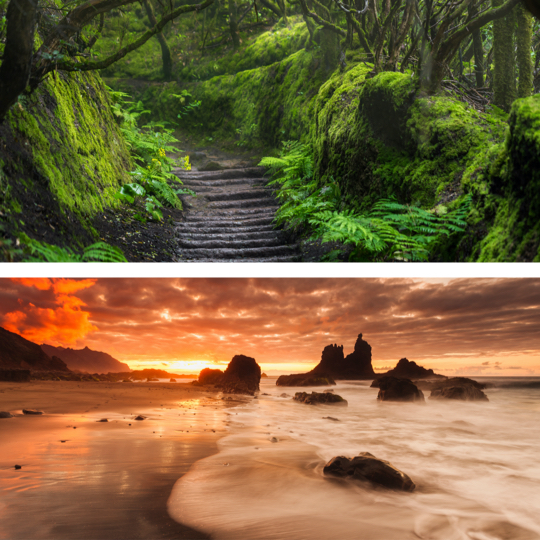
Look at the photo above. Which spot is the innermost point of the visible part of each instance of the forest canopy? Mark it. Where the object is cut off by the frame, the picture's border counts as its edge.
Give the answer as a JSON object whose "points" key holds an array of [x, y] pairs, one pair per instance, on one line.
{"points": [[477, 42]]}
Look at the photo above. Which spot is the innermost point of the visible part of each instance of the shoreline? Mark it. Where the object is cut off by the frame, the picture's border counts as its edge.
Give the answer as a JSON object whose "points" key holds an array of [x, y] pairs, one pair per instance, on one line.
{"points": [[101, 480]]}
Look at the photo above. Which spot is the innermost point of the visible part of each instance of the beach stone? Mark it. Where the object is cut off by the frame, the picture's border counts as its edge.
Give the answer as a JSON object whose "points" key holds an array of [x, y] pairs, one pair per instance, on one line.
{"points": [[31, 411], [304, 379], [316, 398], [393, 389], [463, 393], [242, 376], [331, 418], [140, 417], [210, 376], [284, 395], [5, 414], [366, 467], [172, 380], [18, 467], [152, 379], [103, 420]]}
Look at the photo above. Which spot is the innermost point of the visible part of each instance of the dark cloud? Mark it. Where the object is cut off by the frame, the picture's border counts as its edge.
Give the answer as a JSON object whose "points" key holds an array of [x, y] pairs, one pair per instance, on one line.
{"points": [[286, 320]]}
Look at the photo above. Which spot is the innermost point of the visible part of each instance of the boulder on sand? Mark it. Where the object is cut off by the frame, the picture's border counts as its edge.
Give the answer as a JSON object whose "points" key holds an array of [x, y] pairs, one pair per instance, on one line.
{"points": [[242, 376], [31, 411], [393, 389], [304, 379], [366, 467], [316, 398], [5, 414], [210, 376]]}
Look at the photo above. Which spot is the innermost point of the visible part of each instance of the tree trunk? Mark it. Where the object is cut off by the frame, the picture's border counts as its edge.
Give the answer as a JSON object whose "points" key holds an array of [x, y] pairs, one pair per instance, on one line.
{"points": [[165, 51], [233, 24], [524, 46], [504, 82], [478, 49], [18, 51]]}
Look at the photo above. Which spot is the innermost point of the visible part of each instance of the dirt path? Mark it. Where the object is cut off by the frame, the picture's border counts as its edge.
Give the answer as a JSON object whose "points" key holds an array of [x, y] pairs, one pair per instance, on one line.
{"points": [[231, 219]]}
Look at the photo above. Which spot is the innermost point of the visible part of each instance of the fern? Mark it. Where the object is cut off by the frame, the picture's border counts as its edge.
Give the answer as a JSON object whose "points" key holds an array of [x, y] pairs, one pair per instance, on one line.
{"points": [[390, 231], [98, 252]]}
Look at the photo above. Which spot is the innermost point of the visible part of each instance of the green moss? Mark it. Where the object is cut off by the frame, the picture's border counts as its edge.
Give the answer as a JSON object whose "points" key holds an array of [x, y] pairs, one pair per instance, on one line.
{"points": [[64, 154]]}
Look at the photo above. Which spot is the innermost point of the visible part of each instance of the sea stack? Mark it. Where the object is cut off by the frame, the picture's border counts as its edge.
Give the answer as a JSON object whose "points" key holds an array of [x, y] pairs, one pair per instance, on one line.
{"points": [[407, 369], [355, 366]]}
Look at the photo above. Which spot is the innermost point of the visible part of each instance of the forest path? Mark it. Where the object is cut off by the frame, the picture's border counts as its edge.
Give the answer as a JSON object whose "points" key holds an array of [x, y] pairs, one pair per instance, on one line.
{"points": [[230, 219]]}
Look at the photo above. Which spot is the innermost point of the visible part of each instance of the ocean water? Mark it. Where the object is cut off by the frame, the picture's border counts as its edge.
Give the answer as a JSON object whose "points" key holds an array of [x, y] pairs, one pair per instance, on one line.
{"points": [[476, 468]]}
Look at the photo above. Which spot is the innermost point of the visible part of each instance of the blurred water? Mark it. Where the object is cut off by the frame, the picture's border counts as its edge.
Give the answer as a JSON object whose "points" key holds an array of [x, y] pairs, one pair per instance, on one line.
{"points": [[475, 466]]}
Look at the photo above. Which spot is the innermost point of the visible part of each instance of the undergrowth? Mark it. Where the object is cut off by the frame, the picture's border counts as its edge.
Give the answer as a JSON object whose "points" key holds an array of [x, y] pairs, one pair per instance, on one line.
{"points": [[152, 178], [43, 252], [389, 231]]}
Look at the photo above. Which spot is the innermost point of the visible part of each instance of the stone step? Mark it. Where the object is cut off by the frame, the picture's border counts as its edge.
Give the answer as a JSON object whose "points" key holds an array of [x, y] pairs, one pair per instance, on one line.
{"points": [[239, 195], [282, 258], [243, 204], [196, 235], [236, 227], [247, 172], [217, 243], [240, 253], [196, 183], [232, 214]]}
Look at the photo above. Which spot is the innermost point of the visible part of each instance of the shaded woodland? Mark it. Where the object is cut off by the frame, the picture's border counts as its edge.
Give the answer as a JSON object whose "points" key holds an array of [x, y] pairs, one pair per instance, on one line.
{"points": [[394, 130]]}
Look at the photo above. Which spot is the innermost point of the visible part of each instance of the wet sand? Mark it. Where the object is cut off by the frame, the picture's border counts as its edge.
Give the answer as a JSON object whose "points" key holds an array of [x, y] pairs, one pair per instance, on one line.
{"points": [[84, 479]]}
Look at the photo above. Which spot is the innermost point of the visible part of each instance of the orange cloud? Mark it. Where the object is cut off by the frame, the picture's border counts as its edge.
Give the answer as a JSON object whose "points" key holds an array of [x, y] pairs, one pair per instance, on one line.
{"points": [[64, 324], [43, 284]]}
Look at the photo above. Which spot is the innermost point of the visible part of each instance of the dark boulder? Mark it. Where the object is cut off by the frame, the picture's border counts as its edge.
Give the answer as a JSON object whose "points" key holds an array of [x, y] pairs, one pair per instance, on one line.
{"points": [[5, 414], [393, 389], [172, 380], [140, 417], [466, 392], [264, 376], [316, 398], [407, 369], [152, 379], [31, 411], [304, 379], [366, 467], [210, 376], [242, 376], [15, 375]]}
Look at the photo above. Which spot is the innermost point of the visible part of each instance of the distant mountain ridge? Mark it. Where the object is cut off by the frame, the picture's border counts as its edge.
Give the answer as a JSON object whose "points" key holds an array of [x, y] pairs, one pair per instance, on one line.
{"points": [[87, 360], [19, 353]]}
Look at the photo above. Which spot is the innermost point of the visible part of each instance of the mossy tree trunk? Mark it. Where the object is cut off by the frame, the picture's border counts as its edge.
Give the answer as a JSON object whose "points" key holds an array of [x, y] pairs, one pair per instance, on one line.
{"points": [[165, 51], [504, 81], [524, 47], [233, 23]]}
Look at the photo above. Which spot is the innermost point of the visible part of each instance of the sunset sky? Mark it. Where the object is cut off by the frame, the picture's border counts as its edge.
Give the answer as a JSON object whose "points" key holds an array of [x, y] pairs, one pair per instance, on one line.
{"points": [[456, 327]]}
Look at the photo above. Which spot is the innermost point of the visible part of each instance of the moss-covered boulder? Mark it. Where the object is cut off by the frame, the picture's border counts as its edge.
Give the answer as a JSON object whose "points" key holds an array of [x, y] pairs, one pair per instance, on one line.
{"points": [[62, 157]]}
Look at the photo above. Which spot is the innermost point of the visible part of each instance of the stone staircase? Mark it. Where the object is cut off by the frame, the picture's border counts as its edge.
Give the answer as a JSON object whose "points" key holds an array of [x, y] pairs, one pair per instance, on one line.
{"points": [[231, 219]]}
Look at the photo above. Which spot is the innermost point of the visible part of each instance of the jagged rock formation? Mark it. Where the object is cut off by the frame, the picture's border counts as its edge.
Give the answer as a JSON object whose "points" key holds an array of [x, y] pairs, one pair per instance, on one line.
{"points": [[242, 376], [19, 353], [393, 389], [316, 398], [304, 379], [355, 366], [231, 219], [407, 369], [366, 467], [87, 360], [454, 381]]}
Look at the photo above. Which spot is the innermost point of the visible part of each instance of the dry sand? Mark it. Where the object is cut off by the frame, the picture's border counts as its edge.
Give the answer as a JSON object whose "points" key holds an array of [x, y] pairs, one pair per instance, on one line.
{"points": [[84, 479]]}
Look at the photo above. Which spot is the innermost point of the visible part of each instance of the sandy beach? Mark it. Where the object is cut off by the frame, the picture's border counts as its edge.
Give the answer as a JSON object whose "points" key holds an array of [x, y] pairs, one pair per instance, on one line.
{"points": [[81, 478]]}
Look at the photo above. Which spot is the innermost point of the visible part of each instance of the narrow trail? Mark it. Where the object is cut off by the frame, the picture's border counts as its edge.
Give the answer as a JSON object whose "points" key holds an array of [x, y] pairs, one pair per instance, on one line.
{"points": [[231, 219]]}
